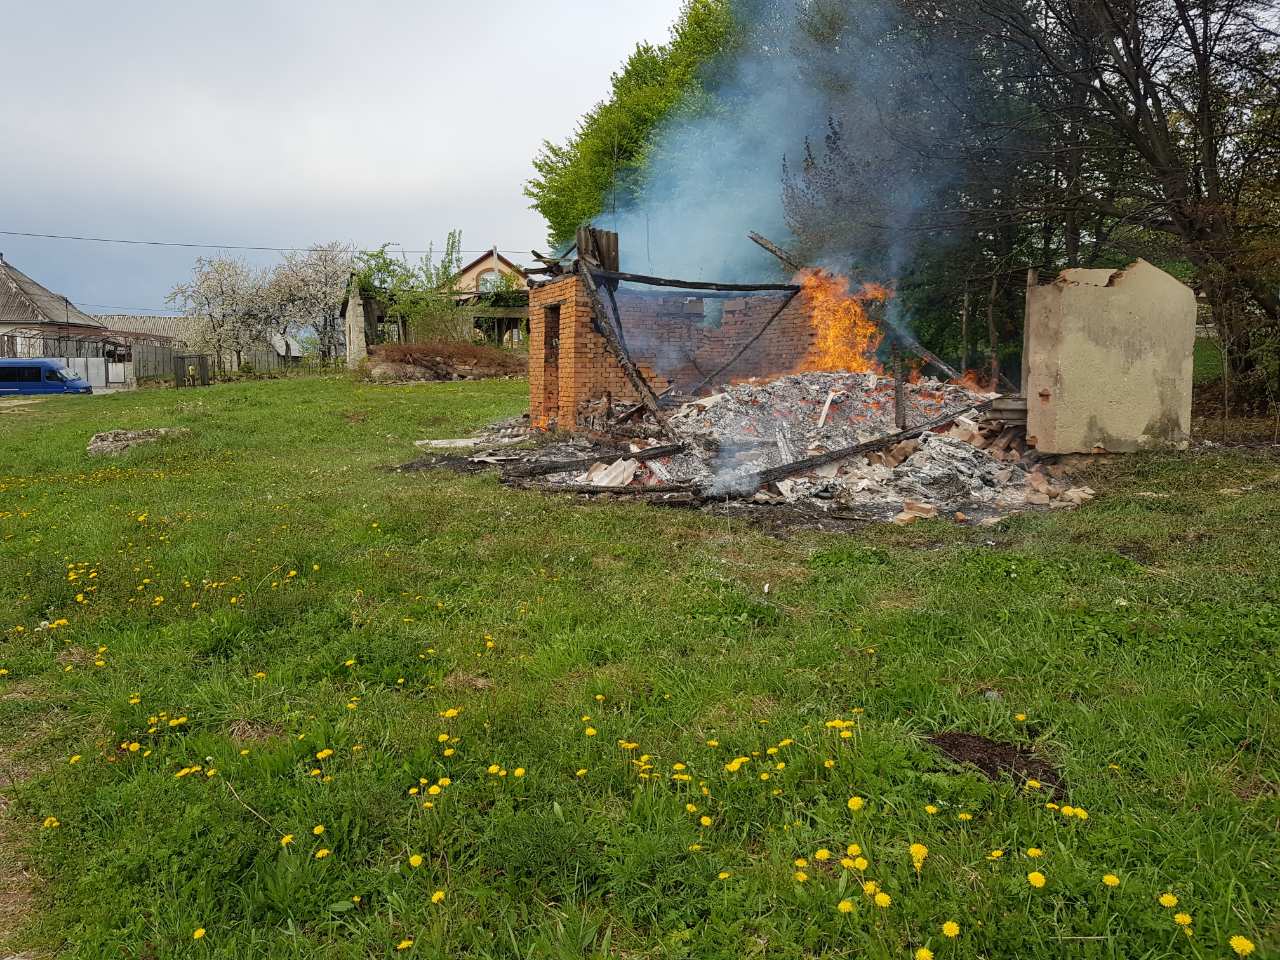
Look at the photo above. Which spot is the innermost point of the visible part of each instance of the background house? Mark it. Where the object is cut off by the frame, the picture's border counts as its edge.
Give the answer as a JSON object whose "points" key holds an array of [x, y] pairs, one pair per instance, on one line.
{"points": [[31, 307], [36, 322], [489, 272], [495, 293]]}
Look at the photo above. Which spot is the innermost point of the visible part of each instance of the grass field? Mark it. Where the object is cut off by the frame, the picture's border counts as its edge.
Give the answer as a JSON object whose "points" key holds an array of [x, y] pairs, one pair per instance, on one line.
{"points": [[290, 704]]}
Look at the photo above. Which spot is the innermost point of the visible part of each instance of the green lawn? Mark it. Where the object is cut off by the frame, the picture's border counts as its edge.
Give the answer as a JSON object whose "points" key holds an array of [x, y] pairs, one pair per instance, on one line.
{"points": [[607, 730], [1207, 362]]}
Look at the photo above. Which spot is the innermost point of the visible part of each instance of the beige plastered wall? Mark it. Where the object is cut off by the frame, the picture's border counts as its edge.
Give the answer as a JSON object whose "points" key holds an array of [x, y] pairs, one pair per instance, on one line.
{"points": [[1107, 361]]}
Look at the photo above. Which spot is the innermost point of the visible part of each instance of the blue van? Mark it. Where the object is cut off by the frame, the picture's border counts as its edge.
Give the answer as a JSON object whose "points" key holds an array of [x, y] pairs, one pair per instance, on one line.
{"points": [[39, 376]]}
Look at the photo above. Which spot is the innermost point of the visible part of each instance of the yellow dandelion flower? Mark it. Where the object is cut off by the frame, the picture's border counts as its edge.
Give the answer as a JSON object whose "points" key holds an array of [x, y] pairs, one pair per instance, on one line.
{"points": [[286, 839], [800, 876], [723, 875], [856, 803], [404, 944], [846, 862], [198, 933], [845, 906], [590, 731], [705, 820], [1111, 880], [930, 809], [1243, 946], [1168, 900], [415, 861], [882, 899], [951, 929], [1034, 852], [438, 897], [853, 850], [318, 829], [860, 863], [324, 754], [995, 854], [918, 853], [823, 854], [1036, 879], [924, 953], [1182, 919], [870, 888], [322, 853], [800, 862]]}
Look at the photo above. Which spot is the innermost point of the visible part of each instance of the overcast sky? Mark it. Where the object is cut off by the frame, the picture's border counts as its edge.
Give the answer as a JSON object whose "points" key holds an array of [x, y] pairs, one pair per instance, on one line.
{"points": [[283, 123]]}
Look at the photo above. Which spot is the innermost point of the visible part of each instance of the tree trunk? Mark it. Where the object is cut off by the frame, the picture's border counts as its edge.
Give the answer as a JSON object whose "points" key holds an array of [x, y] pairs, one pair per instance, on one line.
{"points": [[992, 338]]}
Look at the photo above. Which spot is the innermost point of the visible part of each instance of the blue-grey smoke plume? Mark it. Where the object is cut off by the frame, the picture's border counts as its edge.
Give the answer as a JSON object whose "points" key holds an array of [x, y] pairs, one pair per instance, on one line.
{"points": [[850, 100]]}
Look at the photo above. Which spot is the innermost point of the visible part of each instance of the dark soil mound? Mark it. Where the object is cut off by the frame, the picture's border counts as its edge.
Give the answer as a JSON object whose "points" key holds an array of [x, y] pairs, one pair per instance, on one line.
{"points": [[997, 759]]}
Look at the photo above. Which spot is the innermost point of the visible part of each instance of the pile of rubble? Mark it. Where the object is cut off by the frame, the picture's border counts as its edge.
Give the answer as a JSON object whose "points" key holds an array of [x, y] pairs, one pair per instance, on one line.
{"points": [[112, 442], [796, 440]]}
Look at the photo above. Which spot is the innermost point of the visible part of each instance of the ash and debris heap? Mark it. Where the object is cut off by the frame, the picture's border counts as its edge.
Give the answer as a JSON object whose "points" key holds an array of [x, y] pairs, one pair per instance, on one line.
{"points": [[757, 442]]}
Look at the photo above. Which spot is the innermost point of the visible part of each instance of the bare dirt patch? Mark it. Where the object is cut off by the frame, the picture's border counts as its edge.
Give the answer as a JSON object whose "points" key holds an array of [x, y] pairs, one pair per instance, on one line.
{"points": [[461, 680], [248, 731], [998, 760]]}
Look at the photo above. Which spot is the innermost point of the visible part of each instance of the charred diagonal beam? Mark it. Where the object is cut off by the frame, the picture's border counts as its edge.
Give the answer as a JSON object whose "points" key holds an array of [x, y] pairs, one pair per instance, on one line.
{"points": [[757, 480], [746, 346], [560, 466], [787, 259], [611, 331], [691, 284]]}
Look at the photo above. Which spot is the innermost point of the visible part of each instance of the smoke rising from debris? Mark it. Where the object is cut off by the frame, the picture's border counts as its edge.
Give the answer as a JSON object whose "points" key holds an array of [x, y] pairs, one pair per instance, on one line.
{"points": [[844, 96]]}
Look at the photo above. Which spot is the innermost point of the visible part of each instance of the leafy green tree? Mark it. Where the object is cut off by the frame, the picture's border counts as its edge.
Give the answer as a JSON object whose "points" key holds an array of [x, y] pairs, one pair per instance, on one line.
{"points": [[601, 165], [418, 293]]}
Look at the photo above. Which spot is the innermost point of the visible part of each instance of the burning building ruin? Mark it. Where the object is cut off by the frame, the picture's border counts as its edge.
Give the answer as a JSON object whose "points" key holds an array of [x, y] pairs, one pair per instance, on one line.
{"points": [[774, 393]]}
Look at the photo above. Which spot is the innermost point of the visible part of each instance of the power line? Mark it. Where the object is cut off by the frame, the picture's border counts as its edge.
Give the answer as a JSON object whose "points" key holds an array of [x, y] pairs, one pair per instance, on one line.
{"points": [[114, 306], [213, 246]]}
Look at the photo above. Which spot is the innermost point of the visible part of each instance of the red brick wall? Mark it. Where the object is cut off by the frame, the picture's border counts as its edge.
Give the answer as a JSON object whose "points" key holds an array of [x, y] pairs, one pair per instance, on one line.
{"points": [[666, 331]]}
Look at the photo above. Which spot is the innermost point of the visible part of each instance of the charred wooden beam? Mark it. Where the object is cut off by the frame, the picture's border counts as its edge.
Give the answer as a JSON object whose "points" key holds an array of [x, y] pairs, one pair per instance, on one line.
{"points": [[691, 284], [787, 259], [611, 331], [759, 479], [746, 346]]}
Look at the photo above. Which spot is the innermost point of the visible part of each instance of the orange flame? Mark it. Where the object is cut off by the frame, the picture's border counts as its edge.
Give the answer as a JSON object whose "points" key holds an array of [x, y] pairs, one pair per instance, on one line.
{"points": [[972, 380], [845, 337]]}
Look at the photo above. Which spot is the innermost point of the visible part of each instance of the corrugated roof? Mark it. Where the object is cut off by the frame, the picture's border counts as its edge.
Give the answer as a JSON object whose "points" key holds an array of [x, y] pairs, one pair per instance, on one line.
{"points": [[22, 300], [180, 328]]}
